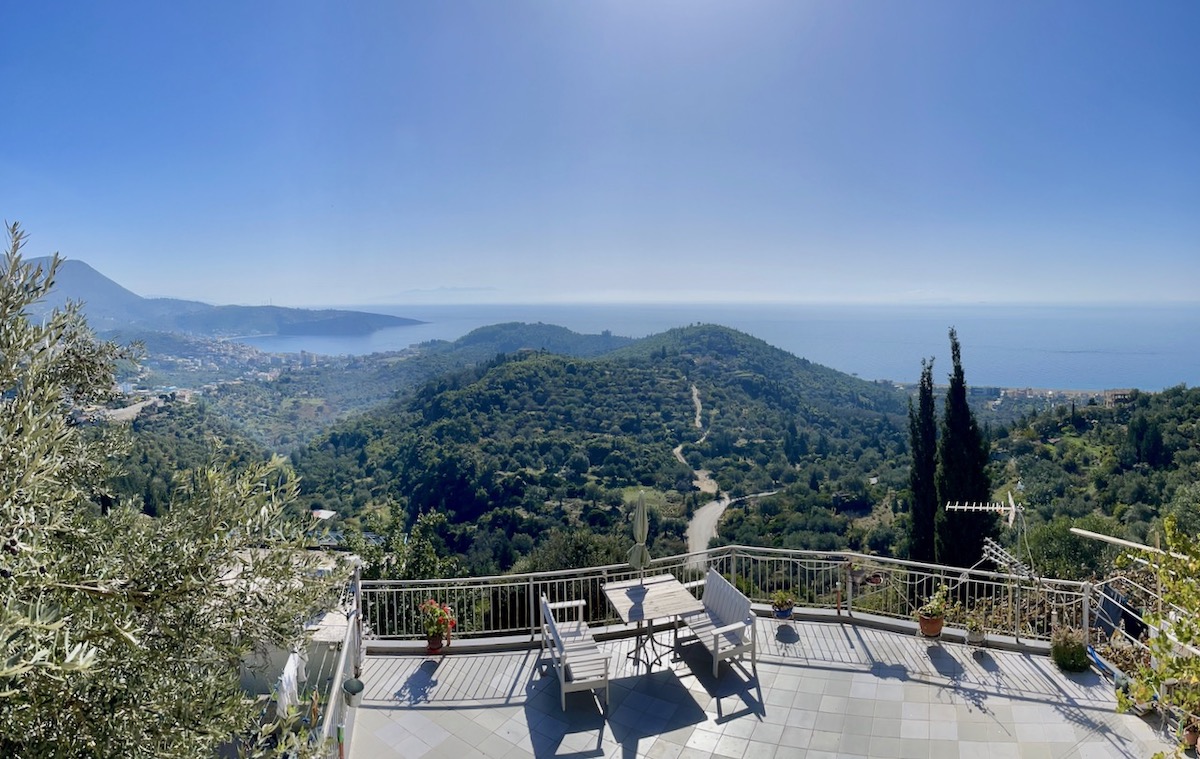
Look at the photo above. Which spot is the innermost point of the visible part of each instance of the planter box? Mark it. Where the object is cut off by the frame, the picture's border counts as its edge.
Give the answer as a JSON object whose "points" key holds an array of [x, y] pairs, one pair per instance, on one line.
{"points": [[1120, 680]]}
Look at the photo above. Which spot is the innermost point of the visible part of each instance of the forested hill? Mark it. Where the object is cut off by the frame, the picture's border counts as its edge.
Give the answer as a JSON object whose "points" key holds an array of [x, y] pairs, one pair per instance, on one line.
{"points": [[725, 356], [167, 439], [510, 337], [1120, 468], [766, 406], [300, 403], [245, 420], [533, 440]]}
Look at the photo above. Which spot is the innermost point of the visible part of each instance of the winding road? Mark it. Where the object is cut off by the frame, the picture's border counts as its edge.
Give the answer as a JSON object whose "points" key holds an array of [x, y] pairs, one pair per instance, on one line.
{"points": [[703, 525]]}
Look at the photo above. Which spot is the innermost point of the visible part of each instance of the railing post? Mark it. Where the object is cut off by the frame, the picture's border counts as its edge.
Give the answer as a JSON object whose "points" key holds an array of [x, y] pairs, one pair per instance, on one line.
{"points": [[849, 589], [358, 621], [1087, 620], [532, 610], [1016, 611]]}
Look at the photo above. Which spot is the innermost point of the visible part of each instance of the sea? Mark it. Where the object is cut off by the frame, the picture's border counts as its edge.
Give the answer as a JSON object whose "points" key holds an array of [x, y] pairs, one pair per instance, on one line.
{"points": [[1149, 347]]}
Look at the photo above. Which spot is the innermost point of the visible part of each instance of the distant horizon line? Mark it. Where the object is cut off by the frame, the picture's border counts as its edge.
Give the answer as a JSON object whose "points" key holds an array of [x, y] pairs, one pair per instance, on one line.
{"points": [[1160, 304]]}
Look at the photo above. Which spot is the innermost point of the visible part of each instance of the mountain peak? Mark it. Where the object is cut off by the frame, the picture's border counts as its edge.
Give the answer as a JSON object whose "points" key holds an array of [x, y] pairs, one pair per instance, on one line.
{"points": [[110, 306], [77, 280]]}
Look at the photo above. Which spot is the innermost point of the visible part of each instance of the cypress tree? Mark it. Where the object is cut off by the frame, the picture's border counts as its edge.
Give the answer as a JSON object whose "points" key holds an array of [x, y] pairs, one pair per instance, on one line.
{"points": [[961, 475], [922, 432]]}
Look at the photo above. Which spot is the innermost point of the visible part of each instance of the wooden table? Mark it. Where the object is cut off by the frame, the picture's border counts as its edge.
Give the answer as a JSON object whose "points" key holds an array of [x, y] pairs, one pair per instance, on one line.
{"points": [[644, 600]]}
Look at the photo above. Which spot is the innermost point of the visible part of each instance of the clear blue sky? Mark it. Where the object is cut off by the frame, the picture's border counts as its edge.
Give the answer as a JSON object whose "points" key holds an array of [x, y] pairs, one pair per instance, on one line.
{"points": [[311, 153]]}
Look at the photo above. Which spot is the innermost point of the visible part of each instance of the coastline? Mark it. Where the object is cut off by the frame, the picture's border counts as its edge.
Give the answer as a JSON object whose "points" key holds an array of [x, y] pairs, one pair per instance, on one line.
{"points": [[1037, 349]]}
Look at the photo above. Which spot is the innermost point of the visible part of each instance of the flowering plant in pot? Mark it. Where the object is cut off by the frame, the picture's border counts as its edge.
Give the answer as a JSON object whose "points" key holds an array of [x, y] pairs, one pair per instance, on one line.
{"points": [[932, 614], [437, 619], [782, 602]]}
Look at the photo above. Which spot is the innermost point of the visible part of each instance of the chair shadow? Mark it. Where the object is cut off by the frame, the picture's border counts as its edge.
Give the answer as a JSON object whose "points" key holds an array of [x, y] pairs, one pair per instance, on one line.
{"points": [[642, 707], [417, 687], [648, 706], [735, 680]]}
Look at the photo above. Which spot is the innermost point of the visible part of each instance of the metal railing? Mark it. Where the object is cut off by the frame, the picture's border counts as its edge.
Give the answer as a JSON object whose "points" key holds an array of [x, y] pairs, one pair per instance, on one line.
{"points": [[1022, 607], [336, 714]]}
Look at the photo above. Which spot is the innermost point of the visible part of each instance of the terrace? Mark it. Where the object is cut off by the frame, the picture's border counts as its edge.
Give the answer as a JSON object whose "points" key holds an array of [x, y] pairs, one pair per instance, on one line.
{"points": [[847, 676]]}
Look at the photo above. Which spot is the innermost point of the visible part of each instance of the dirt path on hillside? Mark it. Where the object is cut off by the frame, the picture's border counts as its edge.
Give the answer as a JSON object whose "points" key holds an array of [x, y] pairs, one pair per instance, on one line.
{"points": [[128, 413], [703, 481], [703, 525]]}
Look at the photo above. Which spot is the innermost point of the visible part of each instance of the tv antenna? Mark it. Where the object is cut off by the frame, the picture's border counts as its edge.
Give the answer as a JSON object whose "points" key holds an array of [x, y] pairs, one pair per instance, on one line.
{"points": [[993, 551], [994, 507], [1001, 557]]}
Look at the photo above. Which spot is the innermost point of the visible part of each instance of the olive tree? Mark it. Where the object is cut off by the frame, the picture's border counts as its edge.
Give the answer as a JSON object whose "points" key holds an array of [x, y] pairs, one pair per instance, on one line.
{"points": [[121, 634], [1175, 644]]}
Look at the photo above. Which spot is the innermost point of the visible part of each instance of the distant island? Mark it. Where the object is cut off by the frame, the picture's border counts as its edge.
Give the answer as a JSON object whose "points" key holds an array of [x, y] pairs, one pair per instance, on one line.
{"points": [[109, 306]]}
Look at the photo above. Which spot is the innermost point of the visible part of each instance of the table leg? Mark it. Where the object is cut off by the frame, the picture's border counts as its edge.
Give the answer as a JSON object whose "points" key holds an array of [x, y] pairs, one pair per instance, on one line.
{"points": [[649, 646], [639, 645], [654, 646]]}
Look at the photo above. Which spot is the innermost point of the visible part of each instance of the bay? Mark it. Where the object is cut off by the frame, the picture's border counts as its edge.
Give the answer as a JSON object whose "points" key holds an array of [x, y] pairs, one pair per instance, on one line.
{"points": [[1150, 347]]}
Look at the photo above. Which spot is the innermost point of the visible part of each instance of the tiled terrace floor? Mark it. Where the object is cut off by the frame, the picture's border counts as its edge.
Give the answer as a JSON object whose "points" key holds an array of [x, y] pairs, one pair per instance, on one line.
{"points": [[822, 690]]}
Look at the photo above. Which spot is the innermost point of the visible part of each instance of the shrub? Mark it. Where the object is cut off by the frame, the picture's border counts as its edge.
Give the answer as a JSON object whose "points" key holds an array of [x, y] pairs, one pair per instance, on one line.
{"points": [[1068, 650], [782, 599]]}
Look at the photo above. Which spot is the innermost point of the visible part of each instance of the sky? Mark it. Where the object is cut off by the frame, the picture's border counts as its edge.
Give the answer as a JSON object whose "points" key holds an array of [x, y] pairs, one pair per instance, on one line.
{"points": [[309, 153]]}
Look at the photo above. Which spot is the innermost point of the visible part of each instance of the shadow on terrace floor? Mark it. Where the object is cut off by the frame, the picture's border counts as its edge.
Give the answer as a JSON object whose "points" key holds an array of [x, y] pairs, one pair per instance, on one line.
{"points": [[821, 690]]}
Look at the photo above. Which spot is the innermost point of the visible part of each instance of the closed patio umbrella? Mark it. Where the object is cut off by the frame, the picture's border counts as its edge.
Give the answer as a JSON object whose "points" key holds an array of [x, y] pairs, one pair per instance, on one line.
{"points": [[639, 557]]}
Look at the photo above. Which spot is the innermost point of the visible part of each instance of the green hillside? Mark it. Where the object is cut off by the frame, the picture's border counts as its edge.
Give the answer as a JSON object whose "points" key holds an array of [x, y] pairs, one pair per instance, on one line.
{"points": [[766, 408], [168, 439], [299, 403], [1121, 468], [529, 442]]}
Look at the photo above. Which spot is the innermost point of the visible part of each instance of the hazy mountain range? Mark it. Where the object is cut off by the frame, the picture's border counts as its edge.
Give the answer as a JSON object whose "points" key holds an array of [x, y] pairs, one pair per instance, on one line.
{"points": [[109, 306]]}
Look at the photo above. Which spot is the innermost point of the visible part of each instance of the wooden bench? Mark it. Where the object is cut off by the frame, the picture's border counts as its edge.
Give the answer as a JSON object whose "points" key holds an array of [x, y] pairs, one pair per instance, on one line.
{"points": [[726, 626], [573, 651]]}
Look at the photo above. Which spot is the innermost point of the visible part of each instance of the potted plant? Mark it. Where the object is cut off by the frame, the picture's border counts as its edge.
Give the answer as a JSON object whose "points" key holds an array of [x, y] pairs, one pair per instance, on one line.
{"points": [[437, 620], [1068, 649], [1189, 732], [931, 615], [782, 603], [975, 633]]}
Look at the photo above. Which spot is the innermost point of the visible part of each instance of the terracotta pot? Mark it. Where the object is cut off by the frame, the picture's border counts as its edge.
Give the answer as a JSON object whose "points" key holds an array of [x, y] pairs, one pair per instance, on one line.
{"points": [[931, 627], [433, 644], [1190, 734]]}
